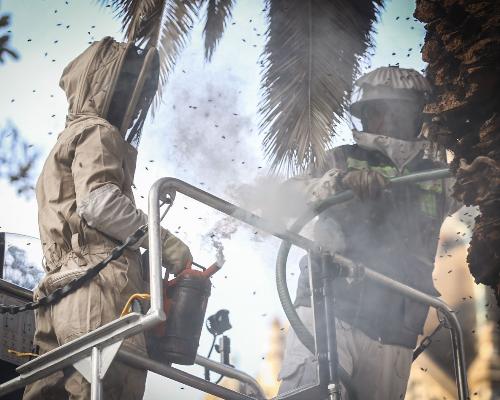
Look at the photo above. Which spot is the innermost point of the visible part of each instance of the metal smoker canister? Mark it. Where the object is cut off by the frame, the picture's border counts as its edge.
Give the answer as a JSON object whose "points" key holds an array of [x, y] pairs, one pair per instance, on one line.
{"points": [[185, 303]]}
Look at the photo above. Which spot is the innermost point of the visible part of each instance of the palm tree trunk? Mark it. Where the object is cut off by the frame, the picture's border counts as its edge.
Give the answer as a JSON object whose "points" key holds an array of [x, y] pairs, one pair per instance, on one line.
{"points": [[462, 47]]}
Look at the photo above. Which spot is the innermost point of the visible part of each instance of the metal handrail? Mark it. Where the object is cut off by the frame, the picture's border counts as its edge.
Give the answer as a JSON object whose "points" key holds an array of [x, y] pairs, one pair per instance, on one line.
{"points": [[15, 290], [110, 333], [291, 237], [90, 345], [141, 362], [358, 271], [231, 372]]}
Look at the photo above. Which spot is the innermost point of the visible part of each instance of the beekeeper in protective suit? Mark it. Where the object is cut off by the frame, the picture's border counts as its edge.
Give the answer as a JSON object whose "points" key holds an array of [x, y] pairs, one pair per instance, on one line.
{"points": [[86, 207], [393, 231]]}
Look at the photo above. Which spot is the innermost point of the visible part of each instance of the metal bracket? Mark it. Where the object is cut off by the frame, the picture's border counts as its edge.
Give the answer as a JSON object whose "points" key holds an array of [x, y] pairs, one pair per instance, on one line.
{"points": [[107, 354]]}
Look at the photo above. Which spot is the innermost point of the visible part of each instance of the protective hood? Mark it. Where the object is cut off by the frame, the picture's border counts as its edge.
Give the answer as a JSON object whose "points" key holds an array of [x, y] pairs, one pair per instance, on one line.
{"points": [[113, 81], [89, 80]]}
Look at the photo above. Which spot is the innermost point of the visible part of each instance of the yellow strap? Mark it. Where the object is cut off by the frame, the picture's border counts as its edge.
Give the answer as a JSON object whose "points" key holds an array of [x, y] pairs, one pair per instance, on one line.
{"points": [[135, 296], [21, 354]]}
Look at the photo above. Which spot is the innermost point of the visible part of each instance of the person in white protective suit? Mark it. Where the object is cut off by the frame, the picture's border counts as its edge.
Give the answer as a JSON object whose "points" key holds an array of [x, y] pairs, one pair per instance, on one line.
{"points": [[86, 208], [393, 231]]}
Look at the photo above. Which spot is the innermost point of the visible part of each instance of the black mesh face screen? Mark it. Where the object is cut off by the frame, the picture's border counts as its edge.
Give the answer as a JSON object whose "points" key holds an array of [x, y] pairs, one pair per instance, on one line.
{"points": [[125, 86], [398, 119], [146, 97], [133, 67]]}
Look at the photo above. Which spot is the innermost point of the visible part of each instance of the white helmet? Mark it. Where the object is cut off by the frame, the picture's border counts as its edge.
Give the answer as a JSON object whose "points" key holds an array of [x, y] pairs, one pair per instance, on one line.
{"points": [[390, 83]]}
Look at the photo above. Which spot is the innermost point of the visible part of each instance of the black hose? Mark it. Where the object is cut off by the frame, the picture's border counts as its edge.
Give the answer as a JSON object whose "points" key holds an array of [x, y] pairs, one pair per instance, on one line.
{"points": [[317, 208]]}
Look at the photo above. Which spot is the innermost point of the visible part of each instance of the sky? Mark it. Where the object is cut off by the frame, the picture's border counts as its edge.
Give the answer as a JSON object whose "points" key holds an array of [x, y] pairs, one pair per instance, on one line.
{"points": [[205, 132]]}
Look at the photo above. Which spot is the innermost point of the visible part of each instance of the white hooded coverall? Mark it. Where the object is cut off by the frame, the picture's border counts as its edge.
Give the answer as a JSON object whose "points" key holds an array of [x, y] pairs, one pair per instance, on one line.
{"points": [[85, 208]]}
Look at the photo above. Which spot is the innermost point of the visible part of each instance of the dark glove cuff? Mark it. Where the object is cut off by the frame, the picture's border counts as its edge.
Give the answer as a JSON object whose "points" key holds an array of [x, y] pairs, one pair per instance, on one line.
{"points": [[339, 181]]}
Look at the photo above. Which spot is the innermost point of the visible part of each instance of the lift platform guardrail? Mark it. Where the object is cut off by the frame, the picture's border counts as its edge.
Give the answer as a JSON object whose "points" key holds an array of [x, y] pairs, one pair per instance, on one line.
{"points": [[92, 353]]}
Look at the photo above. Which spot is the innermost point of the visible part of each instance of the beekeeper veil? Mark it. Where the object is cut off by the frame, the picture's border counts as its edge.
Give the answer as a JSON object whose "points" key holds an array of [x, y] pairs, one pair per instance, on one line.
{"points": [[390, 100], [114, 81]]}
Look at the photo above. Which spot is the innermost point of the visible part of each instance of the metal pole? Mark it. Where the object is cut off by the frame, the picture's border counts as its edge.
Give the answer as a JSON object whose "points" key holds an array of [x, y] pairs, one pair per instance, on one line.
{"points": [[224, 349], [154, 233], [165, 185], [328, 277], [141, 362], [7, 387], [458, 356], [231, 372], [96, 384], [451, 318], [319, 320]]}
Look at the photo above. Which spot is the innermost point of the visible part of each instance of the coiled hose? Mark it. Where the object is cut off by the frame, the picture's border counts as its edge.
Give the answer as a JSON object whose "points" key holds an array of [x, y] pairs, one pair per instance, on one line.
{"points": [[296, 323]]}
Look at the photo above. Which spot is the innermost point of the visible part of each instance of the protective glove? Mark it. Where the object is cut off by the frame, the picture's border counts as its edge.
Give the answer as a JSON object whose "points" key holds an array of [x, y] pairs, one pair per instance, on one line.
{"points": [[175, 253], [364, 183]]}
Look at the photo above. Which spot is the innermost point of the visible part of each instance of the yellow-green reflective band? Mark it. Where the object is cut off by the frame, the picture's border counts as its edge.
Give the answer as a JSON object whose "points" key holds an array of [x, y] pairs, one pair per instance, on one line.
{"points": [[352, 163], [390, 171], [428, 204], [387, 170], [431, 186], [428, 199]]}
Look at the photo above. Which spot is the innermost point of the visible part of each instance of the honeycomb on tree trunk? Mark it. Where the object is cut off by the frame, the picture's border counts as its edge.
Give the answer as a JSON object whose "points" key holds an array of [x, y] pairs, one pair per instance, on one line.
{"points": [[462, 48]]}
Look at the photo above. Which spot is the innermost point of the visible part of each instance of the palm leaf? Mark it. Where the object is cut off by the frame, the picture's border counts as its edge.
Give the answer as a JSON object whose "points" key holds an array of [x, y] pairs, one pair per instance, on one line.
{"points": [[130, 12], [177, 22], [5, 38], [163, 23], [311, 56], [218, 14]]}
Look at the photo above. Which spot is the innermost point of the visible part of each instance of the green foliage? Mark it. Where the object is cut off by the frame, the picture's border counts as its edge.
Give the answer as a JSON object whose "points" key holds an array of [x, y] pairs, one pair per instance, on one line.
{"points": [[218, 15], [5, 38], [17, 159]]}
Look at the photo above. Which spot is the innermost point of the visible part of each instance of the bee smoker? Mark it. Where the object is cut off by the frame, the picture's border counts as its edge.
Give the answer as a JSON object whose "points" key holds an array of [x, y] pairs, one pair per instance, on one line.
{"points": [[185, 300]]}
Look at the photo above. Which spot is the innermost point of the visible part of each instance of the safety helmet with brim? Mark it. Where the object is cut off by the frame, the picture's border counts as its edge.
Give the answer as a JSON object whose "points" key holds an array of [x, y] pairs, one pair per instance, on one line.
{"points": [[387, 84]]}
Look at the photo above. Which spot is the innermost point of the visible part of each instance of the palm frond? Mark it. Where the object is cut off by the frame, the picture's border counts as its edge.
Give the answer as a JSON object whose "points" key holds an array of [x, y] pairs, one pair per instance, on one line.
{"points": [[5, 38], [218, 14], [163, 23], [311, 56], [177, 22], [131, 13]]}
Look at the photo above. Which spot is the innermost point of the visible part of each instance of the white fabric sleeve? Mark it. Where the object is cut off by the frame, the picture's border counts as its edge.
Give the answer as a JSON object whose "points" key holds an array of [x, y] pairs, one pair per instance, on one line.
{"points": [[324, 187], [108, 210]]}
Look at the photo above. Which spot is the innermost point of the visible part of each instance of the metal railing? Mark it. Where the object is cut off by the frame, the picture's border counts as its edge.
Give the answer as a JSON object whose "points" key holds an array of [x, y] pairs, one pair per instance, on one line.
{"points": [[358, 272], [92, 353]]}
